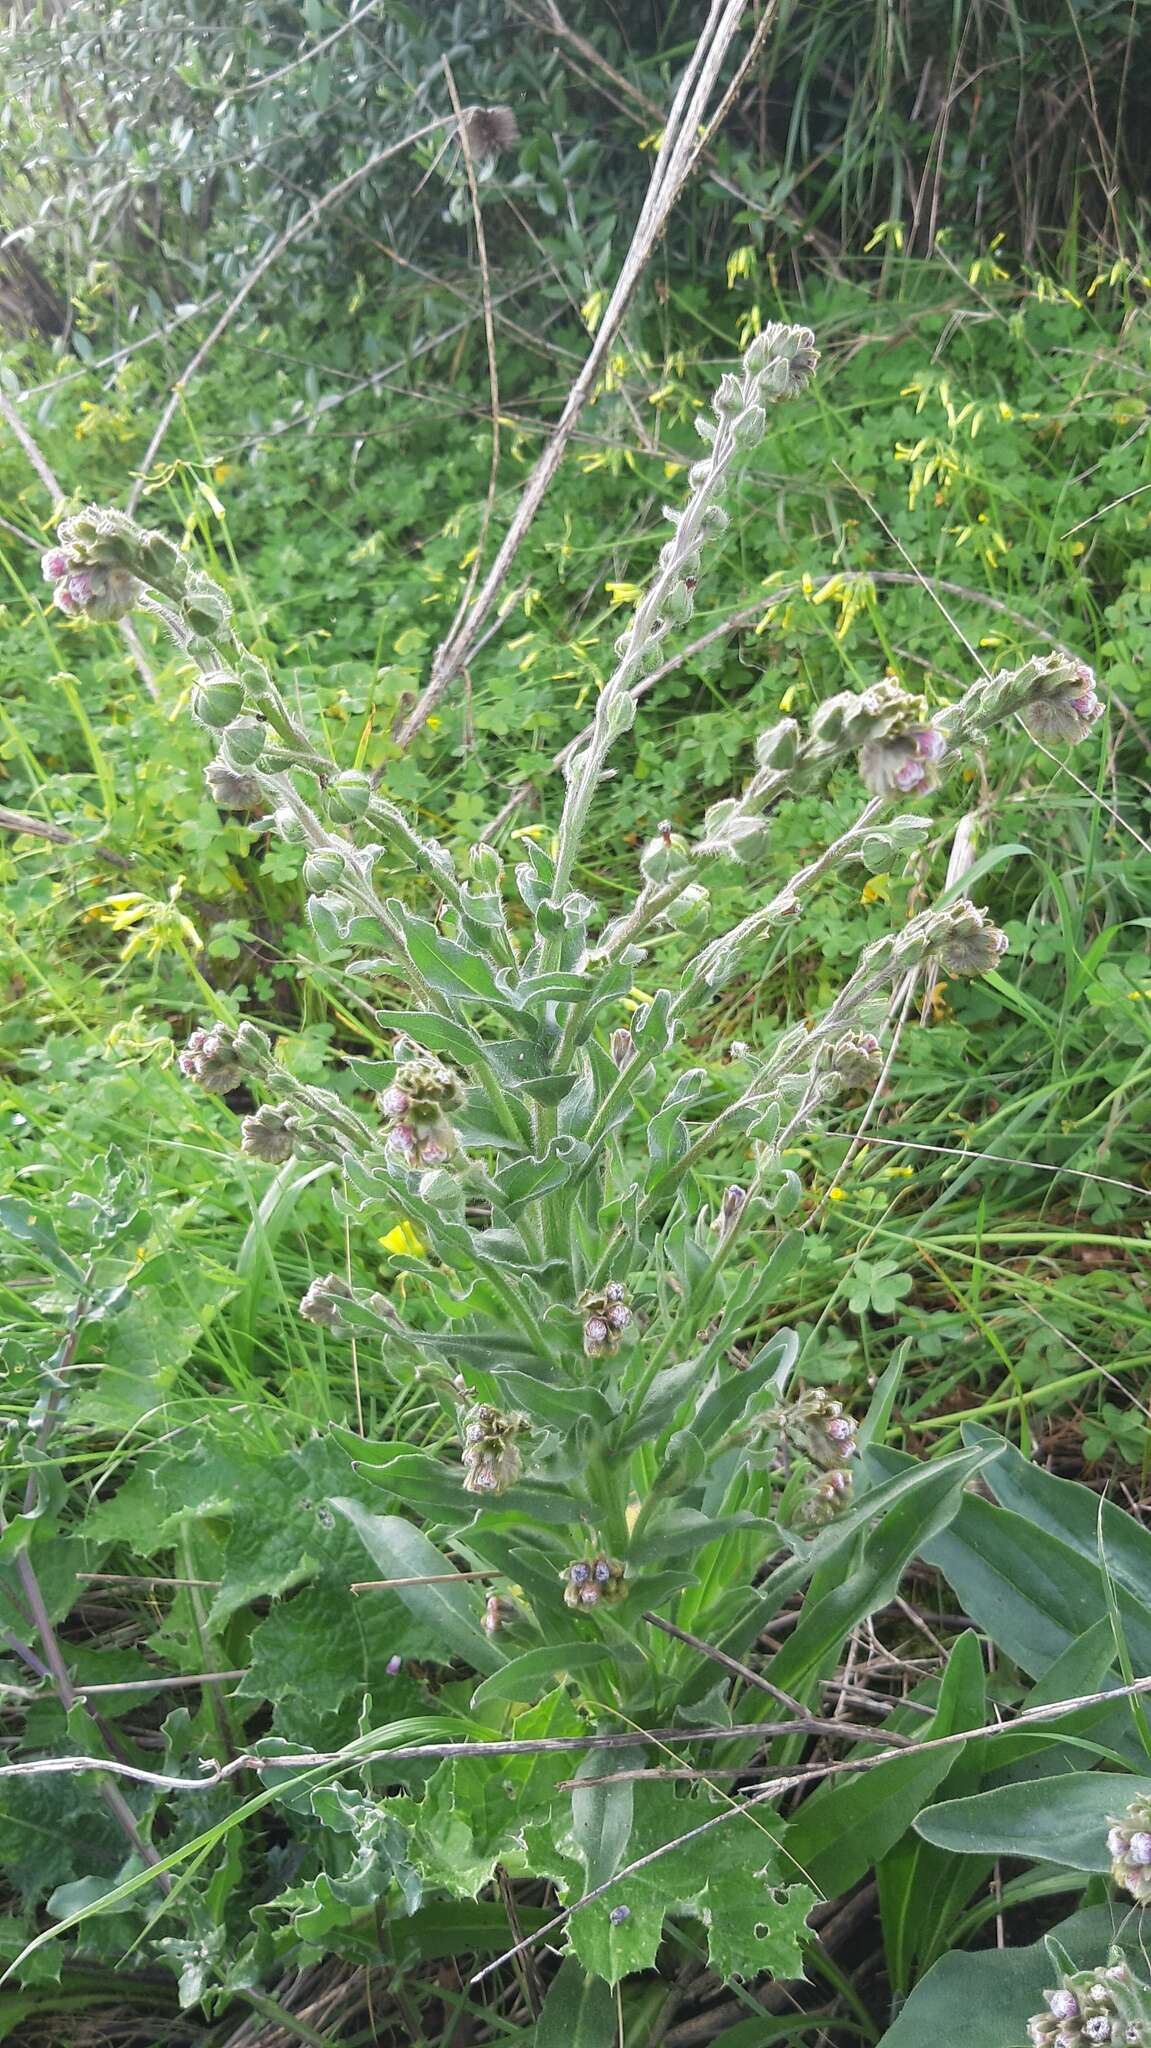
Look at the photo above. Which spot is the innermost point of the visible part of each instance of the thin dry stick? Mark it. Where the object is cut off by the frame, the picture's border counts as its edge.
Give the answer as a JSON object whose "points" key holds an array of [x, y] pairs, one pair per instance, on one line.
{"points": [[325, 43], [331, 197], [159, 1683], [357, 1756], [649, 110], [422, 1579], [490, 345], [731, 1664], [957, 1152], [35, 828], [129, 1579], [674, 165]]}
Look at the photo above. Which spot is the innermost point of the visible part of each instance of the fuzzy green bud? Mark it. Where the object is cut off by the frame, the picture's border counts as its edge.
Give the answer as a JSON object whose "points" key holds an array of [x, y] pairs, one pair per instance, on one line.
{"points": [[666, 858], [324, 868], [748, 430], [217, 699], [778, 746], [348, 796], [243, 742], [290, 827]]}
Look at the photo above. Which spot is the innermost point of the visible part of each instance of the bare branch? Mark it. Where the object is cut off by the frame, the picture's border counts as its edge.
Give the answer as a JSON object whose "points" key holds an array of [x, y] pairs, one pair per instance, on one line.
{"points": [[677, 159]]}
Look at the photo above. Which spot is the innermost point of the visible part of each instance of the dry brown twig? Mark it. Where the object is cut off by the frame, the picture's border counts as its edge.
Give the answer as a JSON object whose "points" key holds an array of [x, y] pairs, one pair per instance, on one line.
{"points": [[676, 161]]}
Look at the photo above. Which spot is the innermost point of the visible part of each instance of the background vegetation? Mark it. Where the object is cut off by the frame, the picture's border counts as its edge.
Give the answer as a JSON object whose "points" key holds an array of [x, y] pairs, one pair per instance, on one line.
{"points": [[951, 199]]}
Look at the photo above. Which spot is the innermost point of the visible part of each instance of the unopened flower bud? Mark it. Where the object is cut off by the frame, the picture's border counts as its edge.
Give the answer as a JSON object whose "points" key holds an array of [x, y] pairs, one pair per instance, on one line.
{"points": [[217, 700], [777, 747], [499, 1614], [730, 1210], [666, 858], [622, 1047], [1063, 2004], [348, 796], [588, 1582], [596, 1336], [321, 1303], [243, 742], [205, 608], [290, 827], [748, 430], [324, 868]]}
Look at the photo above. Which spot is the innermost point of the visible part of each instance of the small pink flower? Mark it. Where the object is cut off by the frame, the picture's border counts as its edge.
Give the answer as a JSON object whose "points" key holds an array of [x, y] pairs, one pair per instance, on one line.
{"points": [[394, 1101], [54, 564], [930, 745], [910, 777]]}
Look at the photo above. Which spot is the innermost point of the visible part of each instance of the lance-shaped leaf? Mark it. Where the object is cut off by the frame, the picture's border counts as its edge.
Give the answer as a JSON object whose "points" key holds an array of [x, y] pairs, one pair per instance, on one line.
{"points": [[400, 1551]]}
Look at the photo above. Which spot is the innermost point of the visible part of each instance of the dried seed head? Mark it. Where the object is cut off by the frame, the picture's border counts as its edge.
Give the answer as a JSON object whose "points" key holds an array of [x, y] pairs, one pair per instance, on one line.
{"points": [[270, 1133], [232, 792], [321, 1303], [210, 1058], [490, 130], [973, 945]]}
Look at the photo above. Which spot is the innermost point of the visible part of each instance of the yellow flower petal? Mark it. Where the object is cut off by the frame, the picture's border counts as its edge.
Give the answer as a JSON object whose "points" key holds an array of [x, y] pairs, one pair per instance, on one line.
{"points": [[404, 1239]]}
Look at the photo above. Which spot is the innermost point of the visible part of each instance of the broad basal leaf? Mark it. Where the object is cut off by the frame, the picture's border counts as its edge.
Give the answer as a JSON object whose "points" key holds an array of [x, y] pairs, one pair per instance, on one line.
{"points": [[1059, 1820], [734, 1878]]}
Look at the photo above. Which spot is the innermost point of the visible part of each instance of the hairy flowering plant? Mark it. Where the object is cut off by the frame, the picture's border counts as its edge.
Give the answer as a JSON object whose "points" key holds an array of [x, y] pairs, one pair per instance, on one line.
{"points": [[639, 1474]]}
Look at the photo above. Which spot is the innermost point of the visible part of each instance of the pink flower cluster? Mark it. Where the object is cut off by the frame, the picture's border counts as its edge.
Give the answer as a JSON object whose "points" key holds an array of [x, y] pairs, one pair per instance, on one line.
{"points": [[91, 590]]}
